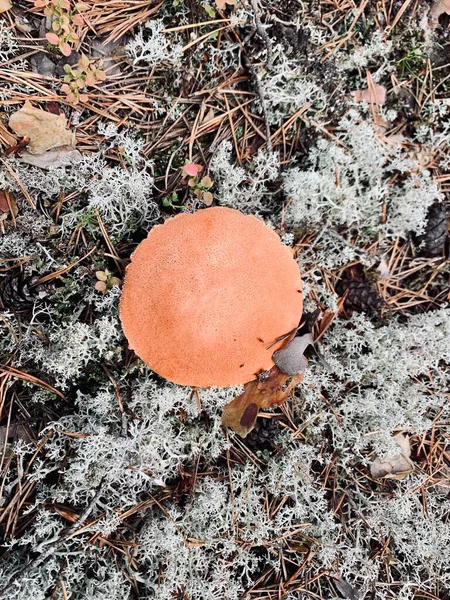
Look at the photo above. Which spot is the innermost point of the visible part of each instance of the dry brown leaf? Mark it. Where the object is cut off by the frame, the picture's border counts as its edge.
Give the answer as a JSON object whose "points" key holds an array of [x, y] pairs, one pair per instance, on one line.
{"points": [[16, 431], [377, 95], [438, 8], [45, 130], [424, 155], [208, 117], [5, 5], [4, 204], [240, 414], [221, 4], [7, 203], [6, 137], [394, 466], [62, 156]]}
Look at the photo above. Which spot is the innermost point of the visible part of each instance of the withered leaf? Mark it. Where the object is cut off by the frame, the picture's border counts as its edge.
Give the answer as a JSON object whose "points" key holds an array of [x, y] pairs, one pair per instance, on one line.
{"points": [[438, 8], [383, 269], [376, 95], [249, 416], [240, 414], [208, 198], [62, 156], [221, 4], [41, 63], [290, 359], [16, 431], [346, 590], [4, 204], [45, 130], [394, 466], [5, 5], [7, 203], [208, 117]]}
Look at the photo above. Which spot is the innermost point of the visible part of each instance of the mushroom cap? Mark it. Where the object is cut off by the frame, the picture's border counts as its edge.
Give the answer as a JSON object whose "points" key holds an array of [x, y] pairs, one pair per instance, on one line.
{"points": [[205, 295]]}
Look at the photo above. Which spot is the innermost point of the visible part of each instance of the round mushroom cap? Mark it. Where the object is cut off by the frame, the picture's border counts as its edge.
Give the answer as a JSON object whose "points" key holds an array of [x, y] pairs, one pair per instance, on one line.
{"points": [[206, 294]]}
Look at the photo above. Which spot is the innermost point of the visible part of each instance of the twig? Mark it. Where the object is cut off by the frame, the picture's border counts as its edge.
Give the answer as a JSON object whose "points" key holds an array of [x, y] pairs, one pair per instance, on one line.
{"points": [[260, 93], [68, 534], [259, 28], [17, 373], [263, 34]]}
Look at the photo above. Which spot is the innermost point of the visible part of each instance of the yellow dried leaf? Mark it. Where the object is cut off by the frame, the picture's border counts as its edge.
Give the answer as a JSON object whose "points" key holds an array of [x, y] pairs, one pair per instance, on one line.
{"points": [[5, 5], [394, 466], [45, 130], [208, 198], [101, 275], [377, 95], [438, 8]]}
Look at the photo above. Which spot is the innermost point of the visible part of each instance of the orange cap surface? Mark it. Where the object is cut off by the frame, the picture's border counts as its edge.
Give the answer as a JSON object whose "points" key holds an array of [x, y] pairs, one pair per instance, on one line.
{"points": [[206, 293]]}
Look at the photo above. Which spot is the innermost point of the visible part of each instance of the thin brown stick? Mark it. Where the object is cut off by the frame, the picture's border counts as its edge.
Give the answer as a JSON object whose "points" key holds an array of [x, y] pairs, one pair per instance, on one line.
{"points": [[263, 34]]}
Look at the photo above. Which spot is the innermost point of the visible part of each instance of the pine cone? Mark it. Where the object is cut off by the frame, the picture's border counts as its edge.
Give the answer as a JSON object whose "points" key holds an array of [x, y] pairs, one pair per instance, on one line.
{"points": [[263, 432], [360, 296], [433, 240], [16, 291]]}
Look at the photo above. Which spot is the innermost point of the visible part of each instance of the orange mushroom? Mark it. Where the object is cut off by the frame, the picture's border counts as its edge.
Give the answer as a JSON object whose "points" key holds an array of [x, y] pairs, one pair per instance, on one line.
{"points": [[208, 296]]}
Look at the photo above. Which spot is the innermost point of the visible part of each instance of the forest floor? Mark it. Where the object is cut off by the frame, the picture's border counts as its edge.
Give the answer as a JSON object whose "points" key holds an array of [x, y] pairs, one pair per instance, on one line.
{"points": [[330, 119]]}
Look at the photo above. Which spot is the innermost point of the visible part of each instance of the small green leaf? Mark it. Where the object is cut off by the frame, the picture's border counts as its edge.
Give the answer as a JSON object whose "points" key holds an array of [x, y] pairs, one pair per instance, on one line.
{"points": [[209, 10]]}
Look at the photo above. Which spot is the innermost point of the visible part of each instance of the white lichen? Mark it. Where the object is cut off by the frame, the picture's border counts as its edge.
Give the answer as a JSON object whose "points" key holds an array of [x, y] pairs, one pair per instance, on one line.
{"points": [[152, 46], [346, 182]]}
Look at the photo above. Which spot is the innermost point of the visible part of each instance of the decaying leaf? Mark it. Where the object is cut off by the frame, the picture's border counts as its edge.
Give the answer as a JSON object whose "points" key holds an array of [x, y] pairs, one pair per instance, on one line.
{"points": [[208, 198], [208, 117], [376, 95], [394, 466], [109, 52], [383, 269], [7, 203], [240, 414], [443, 480], [7, 137], [290, 359], [23, 22], [4, 204], [62, 156], [424, 155], [221, 4], [5, 5], [45, 130], [438, 8], [16, 431], [396, 139], [346, 590], [50, 144], [42, 64]]}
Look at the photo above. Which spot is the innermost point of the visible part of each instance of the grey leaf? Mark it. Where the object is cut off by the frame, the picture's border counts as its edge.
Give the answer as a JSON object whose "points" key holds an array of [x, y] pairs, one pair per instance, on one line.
{"points": [[290, 359], [41, 63], [62, 156], [346, 590]]}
